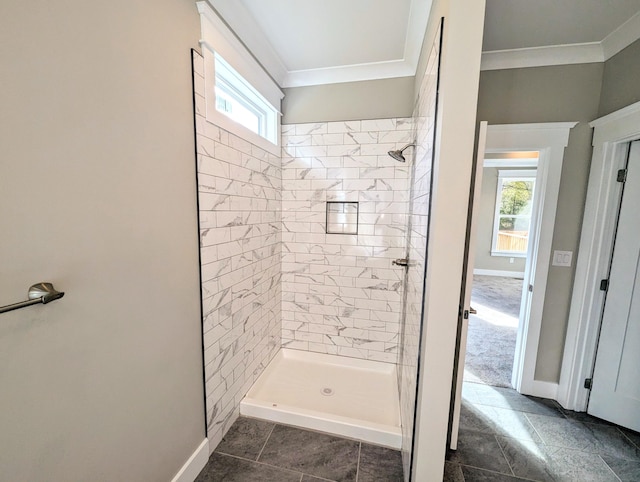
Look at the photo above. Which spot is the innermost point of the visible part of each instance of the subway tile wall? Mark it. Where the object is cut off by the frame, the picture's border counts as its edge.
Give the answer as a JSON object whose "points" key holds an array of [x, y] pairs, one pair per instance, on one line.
{"points": [[340, 293], [420, 197], [239, 190]]}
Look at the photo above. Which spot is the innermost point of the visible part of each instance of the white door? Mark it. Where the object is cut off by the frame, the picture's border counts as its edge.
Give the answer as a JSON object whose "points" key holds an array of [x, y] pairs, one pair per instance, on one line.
{"points": [[615, 394], [466, 294]]}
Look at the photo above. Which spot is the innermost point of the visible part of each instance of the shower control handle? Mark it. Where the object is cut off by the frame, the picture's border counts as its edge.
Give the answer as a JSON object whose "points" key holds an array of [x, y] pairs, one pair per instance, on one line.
{"points": [[401, 262]]}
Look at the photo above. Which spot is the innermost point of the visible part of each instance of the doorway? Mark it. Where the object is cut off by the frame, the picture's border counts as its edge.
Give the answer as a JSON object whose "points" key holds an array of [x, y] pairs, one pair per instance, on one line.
{"points": [[493, 328], [504, 215], [549, 140]]}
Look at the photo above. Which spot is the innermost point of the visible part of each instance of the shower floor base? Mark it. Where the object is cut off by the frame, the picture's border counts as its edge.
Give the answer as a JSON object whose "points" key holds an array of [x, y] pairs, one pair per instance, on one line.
{"points": [[333, 394]]}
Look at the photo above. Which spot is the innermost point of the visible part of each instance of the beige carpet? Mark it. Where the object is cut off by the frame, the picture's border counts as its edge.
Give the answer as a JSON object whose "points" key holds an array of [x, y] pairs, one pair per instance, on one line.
{"points": [[491, 339]]}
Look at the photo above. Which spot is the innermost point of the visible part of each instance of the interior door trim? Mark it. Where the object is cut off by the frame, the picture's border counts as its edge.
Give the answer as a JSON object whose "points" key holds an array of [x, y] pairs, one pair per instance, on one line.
{"points": [[612, 133], [550, 140]]}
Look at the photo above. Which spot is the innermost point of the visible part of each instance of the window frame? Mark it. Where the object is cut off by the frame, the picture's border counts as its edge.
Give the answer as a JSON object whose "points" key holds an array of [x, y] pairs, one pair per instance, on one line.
{"points": [[239, 89], [247, 78], [528, 175]]}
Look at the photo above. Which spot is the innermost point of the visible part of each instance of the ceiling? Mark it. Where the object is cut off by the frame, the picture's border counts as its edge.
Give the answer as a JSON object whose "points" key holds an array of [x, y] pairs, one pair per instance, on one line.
{"points": [[516, 24], [311, 42]]}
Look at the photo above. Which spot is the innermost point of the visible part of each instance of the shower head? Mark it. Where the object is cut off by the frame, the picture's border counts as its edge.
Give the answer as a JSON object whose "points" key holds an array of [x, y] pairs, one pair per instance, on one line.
{"points": [[397, 155]]}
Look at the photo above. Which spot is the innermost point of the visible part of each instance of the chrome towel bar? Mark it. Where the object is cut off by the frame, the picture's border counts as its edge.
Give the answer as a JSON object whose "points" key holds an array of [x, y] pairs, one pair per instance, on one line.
{"points": [[38, 293]]}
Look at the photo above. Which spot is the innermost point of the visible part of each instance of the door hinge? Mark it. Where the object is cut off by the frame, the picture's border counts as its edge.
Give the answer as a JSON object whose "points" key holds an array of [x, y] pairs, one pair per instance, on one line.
{"points": [[622, 175], [588, 383], [604, 285]]}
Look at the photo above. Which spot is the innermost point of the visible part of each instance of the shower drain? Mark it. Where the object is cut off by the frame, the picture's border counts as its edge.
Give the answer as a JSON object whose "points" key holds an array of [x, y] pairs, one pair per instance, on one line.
{"points": [[327, 392]]}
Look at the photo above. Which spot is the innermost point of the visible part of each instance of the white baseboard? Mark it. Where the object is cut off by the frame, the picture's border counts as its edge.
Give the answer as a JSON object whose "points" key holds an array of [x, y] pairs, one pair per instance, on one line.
{"points": [[541, 389], [495, 272], [194, 465]]}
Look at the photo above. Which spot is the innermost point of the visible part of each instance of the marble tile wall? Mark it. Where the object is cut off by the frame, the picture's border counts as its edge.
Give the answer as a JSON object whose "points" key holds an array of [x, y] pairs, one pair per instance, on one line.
{"points": [[239, 190], [340, 293], [420, 198]]}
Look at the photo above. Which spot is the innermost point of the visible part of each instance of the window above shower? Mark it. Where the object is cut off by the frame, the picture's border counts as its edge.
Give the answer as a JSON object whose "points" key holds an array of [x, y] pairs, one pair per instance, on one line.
{"points": [[240, 96], [237, 99]]}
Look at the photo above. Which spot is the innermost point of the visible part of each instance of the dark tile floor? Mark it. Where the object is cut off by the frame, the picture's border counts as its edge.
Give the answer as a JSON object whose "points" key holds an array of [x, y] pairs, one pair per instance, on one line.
{"points": [[505, 436], [259, 451]]}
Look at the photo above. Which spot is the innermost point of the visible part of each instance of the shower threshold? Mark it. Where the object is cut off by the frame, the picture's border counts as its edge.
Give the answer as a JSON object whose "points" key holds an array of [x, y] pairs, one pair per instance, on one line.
{"points": [[333, 394]]}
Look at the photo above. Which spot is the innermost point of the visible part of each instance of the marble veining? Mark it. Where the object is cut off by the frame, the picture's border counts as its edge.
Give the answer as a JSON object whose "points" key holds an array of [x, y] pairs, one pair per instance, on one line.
{"points": [[340, 293], [239, 191]]}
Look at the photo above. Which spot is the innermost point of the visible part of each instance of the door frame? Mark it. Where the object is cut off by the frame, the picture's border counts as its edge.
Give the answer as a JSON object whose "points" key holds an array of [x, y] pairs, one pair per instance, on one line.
{"points": [[550, 140], [612, 133]]}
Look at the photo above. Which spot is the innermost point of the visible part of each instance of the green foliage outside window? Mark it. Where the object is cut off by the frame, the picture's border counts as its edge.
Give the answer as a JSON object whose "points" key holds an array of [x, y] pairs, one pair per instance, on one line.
{"points": [[515, 200]]}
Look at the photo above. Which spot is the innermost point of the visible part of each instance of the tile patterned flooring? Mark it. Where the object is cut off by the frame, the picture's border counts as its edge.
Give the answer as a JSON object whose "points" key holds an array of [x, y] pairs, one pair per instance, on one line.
{"points": [[505, 436], [259, 451]]}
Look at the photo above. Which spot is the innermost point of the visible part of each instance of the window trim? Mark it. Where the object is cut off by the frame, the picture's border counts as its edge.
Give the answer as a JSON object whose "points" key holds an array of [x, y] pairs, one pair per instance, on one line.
{"points": [[237, 87], [218, 39], [512, 175]]}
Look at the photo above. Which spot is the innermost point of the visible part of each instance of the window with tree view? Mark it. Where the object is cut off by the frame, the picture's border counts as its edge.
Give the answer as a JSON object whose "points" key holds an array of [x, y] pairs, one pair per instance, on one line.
{"points": [[514, 205]]}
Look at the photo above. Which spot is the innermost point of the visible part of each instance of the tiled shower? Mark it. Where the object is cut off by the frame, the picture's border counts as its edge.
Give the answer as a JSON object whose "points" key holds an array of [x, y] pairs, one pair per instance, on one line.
{"points": [[239, 199], [340, 293], [272, 274]]}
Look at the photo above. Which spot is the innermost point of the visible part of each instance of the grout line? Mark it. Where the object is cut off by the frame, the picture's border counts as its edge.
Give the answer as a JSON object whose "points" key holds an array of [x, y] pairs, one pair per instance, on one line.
{"points": [[494, 472], [358, 464], [626, 437], [265, 442], [535, 430], [263, 463], [607, 465], [504, 455], [234, 456], [457, 465]]}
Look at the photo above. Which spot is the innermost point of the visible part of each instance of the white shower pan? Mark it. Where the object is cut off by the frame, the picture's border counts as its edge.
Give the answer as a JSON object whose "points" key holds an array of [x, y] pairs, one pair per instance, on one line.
{"points": [[333, 394]]}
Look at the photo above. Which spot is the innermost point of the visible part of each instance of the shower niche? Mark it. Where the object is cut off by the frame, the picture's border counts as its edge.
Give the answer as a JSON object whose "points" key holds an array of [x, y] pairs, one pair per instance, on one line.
{"points": [[342, 217]]}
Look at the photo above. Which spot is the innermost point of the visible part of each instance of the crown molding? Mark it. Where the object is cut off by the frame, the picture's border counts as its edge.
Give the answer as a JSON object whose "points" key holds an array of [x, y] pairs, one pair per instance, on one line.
{"points": [[240, 21], [350, 73], [583, 53], [416, 28], [622, 37], [542, 56], [246, 29], [244, 26]]}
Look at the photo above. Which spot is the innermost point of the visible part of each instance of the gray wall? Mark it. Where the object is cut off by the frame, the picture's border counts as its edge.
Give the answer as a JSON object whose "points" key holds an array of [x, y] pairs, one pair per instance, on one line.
{"points": [[97, 195], [484, 228], [552, 94], [371, 99], [620, 85]]}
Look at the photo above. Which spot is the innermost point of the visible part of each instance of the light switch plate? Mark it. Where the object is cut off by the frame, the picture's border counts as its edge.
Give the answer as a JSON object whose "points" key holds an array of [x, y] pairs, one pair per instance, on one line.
{"points": [[562, 258]]}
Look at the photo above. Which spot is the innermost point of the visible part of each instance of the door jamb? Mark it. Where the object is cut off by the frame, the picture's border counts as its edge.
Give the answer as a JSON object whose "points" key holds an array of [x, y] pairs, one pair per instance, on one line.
{"points": [[611, 135], [550, 140]]}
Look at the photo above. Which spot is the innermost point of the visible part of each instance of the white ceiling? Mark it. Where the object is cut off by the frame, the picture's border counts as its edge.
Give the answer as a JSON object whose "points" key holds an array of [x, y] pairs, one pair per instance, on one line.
{"points": [[310, 42], [312, 34]]}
